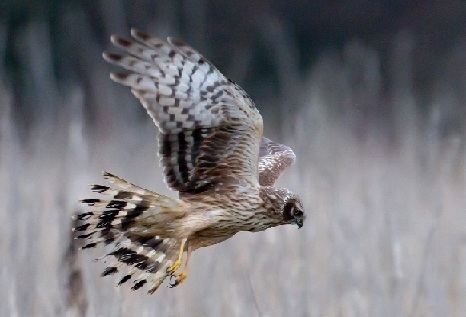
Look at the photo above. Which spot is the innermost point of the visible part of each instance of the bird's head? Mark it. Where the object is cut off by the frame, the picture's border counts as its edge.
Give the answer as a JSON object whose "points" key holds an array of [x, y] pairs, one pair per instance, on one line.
{"points": [[286, 205], [293, 211]]}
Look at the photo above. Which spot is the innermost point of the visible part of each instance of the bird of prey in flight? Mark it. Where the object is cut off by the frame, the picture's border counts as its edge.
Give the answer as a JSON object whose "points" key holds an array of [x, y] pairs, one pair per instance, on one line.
{"points": [[213, 154]]}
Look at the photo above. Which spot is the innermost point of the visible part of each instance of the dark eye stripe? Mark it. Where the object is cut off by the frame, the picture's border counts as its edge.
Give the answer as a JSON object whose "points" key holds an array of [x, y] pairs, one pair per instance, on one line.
{"points": [[288, 210]]}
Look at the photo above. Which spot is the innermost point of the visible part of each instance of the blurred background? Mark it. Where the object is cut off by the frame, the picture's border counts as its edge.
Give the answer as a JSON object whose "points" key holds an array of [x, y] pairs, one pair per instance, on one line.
{"points": [[370, 94]]}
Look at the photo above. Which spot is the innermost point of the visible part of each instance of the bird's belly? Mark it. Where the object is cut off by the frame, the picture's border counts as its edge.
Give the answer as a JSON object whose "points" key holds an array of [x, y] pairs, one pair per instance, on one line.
{"points": [[208, 237]]}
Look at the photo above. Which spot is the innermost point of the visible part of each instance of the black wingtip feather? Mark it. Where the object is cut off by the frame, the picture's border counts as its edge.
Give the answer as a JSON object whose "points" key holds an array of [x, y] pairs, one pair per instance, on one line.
{"points": [[124, 279], [90, 201], [89, 245], [138, 34], [137, 285], [99, 188], [109, 270], [111, 56], [81, 227], [121, 41]]}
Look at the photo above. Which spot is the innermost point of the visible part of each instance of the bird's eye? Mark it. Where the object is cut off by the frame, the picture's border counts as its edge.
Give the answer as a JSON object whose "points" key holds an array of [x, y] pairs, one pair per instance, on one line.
{"points": [[297, 212]]}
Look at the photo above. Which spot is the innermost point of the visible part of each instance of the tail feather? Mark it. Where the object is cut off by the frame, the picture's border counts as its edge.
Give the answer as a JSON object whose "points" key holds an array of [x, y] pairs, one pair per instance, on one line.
{"points": [[128, 217]]}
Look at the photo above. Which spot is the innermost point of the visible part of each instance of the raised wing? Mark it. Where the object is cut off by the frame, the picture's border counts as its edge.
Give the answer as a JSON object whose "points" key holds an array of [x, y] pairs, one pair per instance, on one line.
{"points": [[210, 129], [274, 159]]}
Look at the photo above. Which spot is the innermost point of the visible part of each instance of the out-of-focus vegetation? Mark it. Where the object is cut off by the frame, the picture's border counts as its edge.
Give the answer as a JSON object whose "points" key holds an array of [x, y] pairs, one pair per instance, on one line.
{"points": [[370, 94]]}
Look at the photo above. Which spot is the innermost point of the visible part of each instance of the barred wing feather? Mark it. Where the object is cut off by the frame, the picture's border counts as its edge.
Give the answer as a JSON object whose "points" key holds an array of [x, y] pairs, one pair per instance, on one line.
{"points": [[210, 129], [274, 159]]}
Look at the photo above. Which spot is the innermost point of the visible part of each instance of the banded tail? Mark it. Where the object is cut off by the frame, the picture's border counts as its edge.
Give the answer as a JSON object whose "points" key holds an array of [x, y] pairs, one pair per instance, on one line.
{"points": [[128, 218]]}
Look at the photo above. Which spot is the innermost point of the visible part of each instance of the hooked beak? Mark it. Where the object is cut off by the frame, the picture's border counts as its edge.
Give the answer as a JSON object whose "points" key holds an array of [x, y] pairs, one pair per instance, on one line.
{"points": [[298, 221]]}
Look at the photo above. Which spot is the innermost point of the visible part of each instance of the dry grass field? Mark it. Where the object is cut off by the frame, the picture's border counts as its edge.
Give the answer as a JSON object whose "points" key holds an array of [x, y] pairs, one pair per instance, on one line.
{"points": [[381, 169]]}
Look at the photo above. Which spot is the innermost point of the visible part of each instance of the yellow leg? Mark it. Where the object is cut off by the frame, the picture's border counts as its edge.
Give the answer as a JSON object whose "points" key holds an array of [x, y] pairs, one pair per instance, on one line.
{"points": [[179, 278], [175, 266]]}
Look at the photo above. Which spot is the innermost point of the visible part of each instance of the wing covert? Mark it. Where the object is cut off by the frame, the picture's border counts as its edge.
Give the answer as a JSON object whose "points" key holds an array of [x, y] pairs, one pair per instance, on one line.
{"points": [[274, 159]]}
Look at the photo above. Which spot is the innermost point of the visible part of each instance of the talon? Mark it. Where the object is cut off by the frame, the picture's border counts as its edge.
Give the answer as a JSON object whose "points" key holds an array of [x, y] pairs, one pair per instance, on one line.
{"points": [[178, 279], [172, 268]]}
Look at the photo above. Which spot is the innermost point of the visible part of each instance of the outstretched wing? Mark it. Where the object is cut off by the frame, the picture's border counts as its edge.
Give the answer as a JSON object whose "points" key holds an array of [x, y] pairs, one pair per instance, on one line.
{"points": [[274, 159], [210, 129]]}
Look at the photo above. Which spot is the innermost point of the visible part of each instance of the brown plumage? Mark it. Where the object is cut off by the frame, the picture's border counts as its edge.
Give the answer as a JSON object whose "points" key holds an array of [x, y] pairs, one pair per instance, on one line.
{"points": [[212, 152]]}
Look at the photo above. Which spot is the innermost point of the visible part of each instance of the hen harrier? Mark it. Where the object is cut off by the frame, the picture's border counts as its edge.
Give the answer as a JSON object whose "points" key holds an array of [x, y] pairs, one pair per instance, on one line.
{"points": [[212, 152]]}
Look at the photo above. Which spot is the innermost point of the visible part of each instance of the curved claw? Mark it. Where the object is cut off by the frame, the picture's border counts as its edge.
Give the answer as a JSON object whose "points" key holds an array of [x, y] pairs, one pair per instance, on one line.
{"points": [[178, 279]]}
